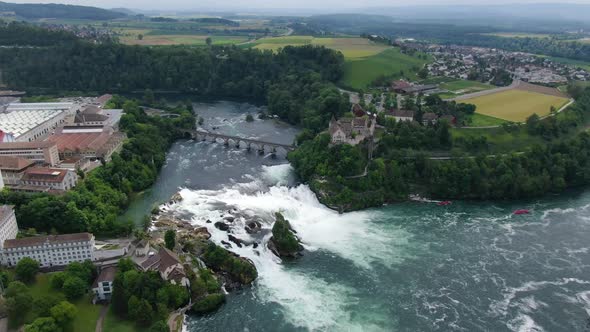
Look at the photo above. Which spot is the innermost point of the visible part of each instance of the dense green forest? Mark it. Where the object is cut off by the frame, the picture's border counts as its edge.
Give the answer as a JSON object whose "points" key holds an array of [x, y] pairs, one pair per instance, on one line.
{"points": [[296, 82], [24, 34], [144, 297], [103, 194], [402, 164], [35, 11]]}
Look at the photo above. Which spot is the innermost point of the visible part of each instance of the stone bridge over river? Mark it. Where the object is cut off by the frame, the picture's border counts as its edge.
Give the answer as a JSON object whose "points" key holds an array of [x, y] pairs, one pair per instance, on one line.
{"points": [[238, 142]]}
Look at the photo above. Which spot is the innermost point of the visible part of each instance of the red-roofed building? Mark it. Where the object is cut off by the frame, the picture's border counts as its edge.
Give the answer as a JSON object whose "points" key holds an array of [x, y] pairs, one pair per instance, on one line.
{"points": [[13, 168], [169, 265], [400, 86], [87, 143], [47, 180], [358, 110]]}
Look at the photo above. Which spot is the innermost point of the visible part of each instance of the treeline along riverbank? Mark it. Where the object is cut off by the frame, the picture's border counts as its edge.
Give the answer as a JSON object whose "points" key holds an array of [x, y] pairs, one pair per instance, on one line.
{"points": [[396, 171]]}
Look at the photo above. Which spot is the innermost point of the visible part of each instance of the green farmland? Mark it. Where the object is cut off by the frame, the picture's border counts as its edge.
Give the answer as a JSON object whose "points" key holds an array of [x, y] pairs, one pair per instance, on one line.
{"points": [[352, 48], [359, 74]]}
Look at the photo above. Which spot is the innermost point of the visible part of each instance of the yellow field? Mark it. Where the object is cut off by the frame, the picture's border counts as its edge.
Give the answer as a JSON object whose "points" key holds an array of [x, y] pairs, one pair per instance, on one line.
{"points": [[519, 35], [516, 105], [351, 48]]}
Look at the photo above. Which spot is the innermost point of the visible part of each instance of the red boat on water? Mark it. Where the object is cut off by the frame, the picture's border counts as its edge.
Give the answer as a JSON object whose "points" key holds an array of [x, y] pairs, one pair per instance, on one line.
{"points": [[444, 203], [521, 211]]}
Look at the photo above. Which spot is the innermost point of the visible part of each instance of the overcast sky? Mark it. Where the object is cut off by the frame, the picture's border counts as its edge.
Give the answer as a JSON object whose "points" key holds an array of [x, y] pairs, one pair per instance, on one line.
{"points": [[335, 5]]}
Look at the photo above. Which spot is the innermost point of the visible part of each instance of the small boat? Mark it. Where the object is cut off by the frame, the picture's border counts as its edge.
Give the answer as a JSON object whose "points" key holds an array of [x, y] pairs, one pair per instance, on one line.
{"points": [[521, 212], [444, 203]]}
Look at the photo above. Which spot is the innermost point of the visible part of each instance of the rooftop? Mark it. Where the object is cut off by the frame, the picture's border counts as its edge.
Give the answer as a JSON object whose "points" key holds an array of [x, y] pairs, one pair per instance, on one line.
{"points": [[429, 117], [161, 261], [45, 175], [39, 107], [106, 274], [5, 210], [14, 163], [19, 122], [401, 113], [49, 239], [26, 145], [72, 140]]}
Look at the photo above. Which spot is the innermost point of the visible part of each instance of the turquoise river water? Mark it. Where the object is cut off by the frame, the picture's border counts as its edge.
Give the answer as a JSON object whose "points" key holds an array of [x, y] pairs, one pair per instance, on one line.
{"points": [[471, 266]]}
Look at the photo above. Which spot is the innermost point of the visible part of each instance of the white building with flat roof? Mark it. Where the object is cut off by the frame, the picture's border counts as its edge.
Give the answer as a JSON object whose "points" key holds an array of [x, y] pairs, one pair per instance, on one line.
{"points": [[8, 226], [31, 125], [52, 250], [69, 108]]}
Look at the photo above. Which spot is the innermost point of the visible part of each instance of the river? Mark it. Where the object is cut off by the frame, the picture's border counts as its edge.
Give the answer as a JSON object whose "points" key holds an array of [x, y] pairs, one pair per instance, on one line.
{"points": [[407, 267]]}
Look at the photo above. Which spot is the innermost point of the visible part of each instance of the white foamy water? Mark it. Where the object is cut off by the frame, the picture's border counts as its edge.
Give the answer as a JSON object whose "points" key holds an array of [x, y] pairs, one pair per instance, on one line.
{"points": [[307, 300]]}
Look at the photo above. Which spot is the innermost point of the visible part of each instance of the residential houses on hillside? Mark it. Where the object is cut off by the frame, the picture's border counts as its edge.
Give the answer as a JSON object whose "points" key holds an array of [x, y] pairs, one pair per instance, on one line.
{"points": [[465, 62]]}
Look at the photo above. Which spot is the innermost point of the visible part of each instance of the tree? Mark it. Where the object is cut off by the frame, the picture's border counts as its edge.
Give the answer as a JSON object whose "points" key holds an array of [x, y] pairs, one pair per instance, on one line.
{"points": [[74, 288], [140, 310], [125, 264], [42, 305], [85, 271], [423, 73], [209, 41], [3, 308], [26, 269], [57, 280], [119, 299], [18, 301], [170, 239], [43, 324], [532, 123], [249, 118], [140, 37], [64, 314], [159, 326]]}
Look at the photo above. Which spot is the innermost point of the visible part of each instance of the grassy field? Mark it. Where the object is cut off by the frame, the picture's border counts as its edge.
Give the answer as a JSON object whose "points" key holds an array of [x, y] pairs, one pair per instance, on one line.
{"points": [[113, 324], [88, 313], [360, 73], [351, 48], [465, 86], [516, 105], [180, 40], [480, 120], [499, 139]]}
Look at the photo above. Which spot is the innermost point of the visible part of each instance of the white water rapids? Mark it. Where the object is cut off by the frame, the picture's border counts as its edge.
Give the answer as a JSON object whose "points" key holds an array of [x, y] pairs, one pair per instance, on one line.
{"points": [[307, 300]]}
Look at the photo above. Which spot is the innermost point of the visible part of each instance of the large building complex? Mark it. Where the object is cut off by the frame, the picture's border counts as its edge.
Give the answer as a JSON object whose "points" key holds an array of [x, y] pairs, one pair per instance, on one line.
{"points": [[38, 179], [13, 169], [44, 152], [30, 125], [52, 250], [88, 142]]}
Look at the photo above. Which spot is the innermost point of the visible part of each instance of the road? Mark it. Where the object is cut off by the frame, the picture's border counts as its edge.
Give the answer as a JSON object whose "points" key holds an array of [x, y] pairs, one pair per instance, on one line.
{"points": [[103, 313]]}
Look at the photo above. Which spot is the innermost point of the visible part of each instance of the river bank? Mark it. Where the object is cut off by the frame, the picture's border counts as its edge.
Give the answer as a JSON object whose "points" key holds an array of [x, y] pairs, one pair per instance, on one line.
{"points": [[410, 266]]}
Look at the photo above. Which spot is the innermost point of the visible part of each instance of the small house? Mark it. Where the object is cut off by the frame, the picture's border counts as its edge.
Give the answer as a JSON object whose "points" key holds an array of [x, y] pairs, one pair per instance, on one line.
{"points": [[400, 115], [103, 285], [429, 118]]}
